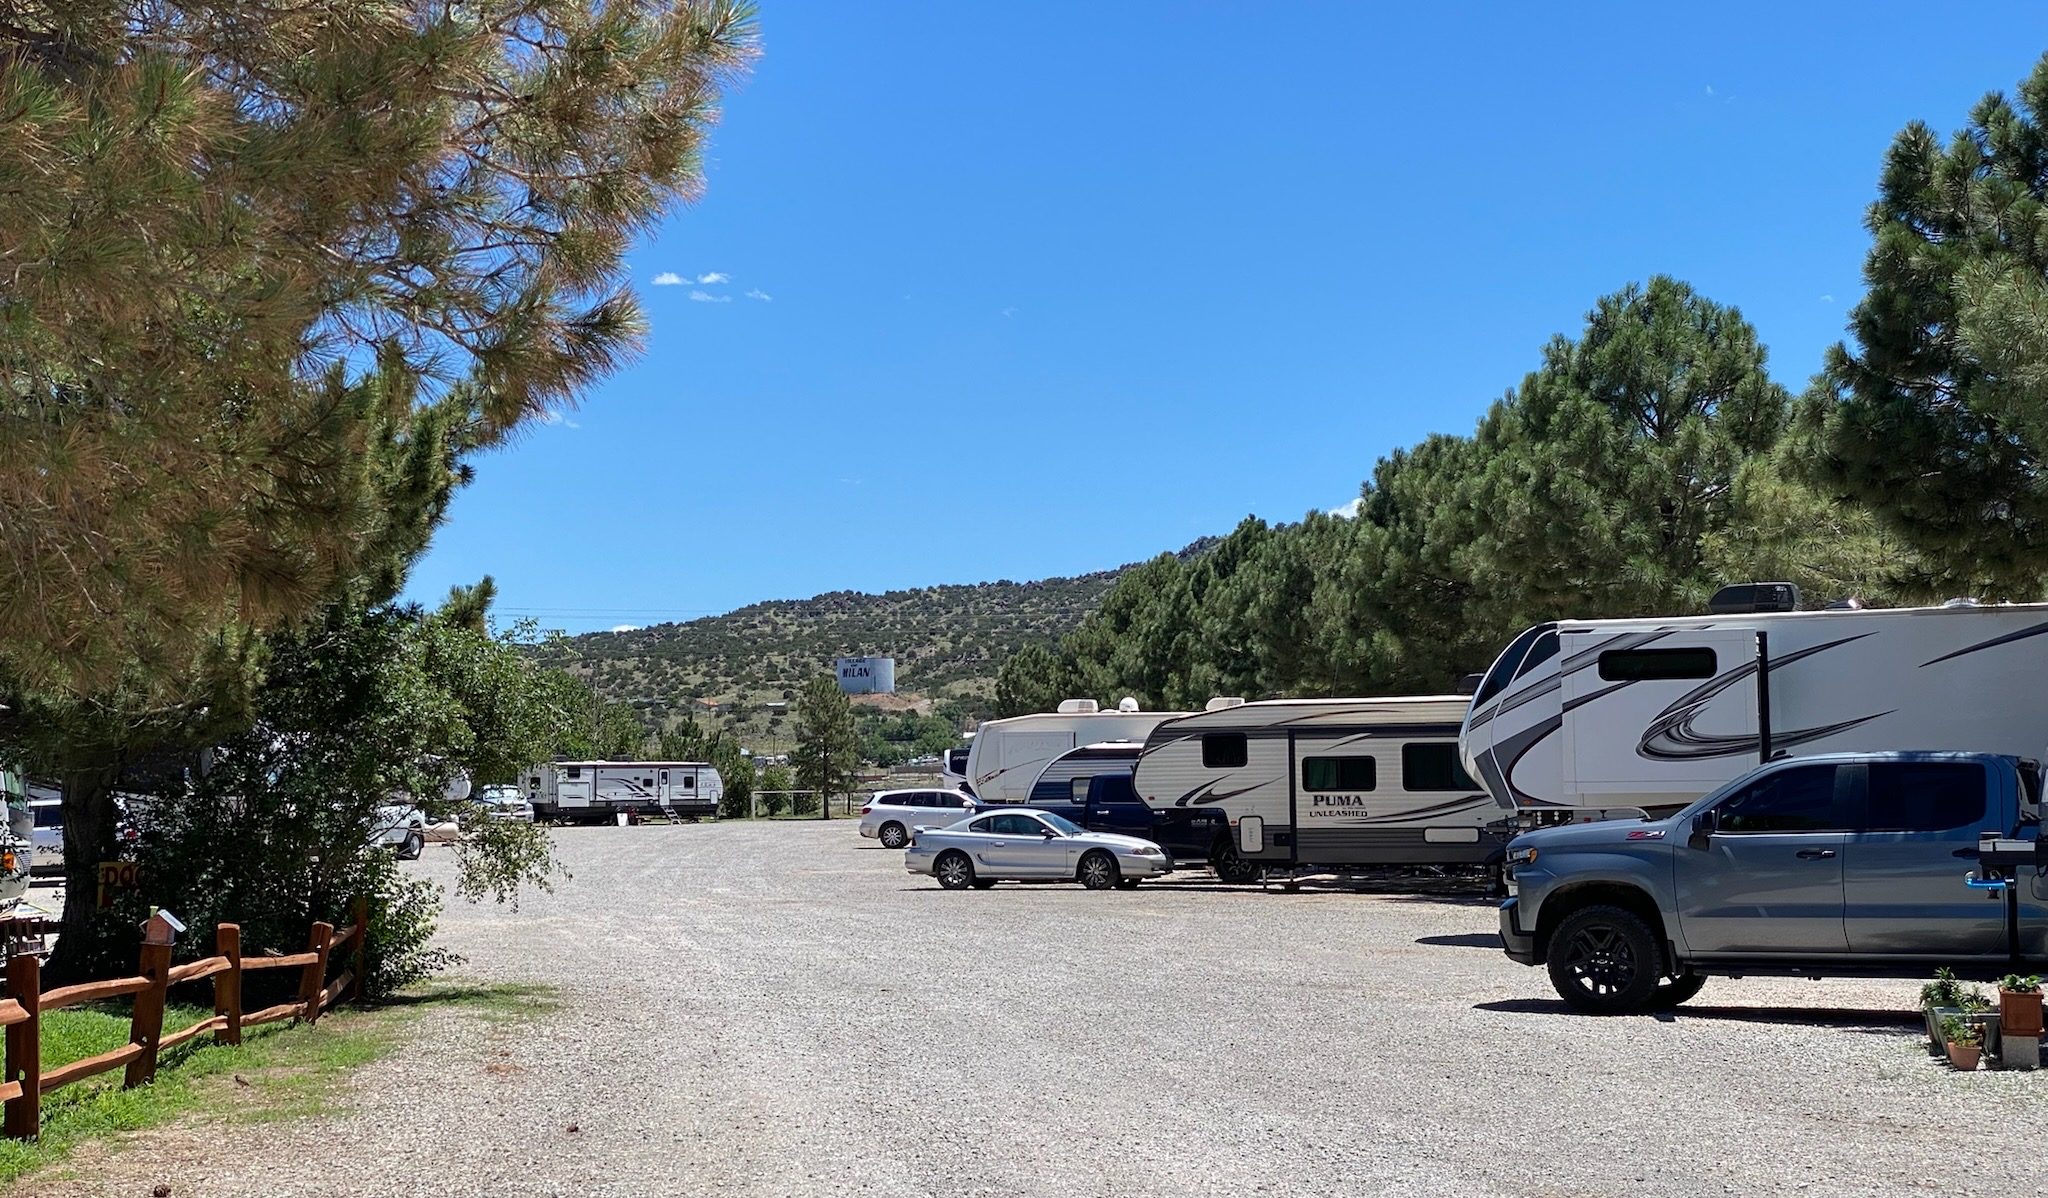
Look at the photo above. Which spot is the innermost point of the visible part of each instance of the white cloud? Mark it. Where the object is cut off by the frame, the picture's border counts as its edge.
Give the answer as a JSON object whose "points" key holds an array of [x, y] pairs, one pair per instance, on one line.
{"points": [[551, 416], [669, 278], [1009, 312], [1827, 299], [1347, 511], [705, 297], [714, 276], [758, 294], [625, 628]]}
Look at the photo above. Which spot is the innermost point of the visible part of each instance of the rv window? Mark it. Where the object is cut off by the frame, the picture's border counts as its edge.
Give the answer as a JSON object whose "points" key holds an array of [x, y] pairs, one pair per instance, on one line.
{"points": [[1924, 796], [534, 780], [1433, 767], [1800, 799], [1339, 773], [1224, 751], [689, 781], [1543, 650], [1652, 665], [575, 772], [1504, 668], [646, 781]]}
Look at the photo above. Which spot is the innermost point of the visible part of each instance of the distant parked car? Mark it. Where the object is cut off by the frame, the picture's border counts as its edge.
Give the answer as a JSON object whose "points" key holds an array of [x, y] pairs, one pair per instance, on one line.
{"points": [[505, 802], [890, 816], [401, 826], [1032, 846], [48, 836]]}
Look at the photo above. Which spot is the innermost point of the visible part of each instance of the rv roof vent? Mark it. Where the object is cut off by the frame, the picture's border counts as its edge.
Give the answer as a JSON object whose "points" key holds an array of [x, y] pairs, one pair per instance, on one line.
{"points": [[1222, 703], [1127, 704], [1962, 601], [1079, 707], [1746, 598]]}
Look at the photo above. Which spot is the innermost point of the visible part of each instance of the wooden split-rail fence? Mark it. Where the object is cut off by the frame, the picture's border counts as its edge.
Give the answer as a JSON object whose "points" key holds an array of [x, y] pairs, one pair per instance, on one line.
{"points": [[21, 1012]]}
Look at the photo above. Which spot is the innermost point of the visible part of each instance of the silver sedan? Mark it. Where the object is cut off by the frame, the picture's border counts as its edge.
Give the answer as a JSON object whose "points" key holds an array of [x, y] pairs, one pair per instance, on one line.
{"points": [[1031, 846]]}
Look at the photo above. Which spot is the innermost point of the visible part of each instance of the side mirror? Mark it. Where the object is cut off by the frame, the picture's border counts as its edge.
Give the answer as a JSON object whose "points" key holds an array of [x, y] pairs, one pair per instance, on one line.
{"points": [[1702, 829], [1050, 834]]}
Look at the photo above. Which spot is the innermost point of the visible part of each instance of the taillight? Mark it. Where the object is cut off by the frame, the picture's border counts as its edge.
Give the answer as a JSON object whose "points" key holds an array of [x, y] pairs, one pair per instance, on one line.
{"points": [[867, 808], [7, 862]]}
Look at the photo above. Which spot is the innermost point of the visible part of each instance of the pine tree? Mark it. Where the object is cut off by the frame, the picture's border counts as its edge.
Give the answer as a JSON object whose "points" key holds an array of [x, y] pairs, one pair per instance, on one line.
{"points": [[1937, 420], [827, 756], [249, 249]]}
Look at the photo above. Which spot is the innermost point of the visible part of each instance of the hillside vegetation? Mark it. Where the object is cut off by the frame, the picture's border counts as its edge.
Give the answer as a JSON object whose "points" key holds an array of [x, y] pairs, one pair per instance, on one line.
{"points": [[948, 642]]}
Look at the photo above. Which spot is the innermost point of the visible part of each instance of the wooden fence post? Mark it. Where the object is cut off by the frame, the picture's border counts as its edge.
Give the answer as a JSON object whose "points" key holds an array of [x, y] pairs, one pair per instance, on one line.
{"points": [[146, 1024], [362, 956], [25, 1048], [227, 984], [315, 978]]}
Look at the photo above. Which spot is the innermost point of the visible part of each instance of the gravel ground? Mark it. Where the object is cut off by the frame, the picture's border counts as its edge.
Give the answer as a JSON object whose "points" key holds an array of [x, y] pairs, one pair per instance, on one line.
{"points": [[780, 1010]]}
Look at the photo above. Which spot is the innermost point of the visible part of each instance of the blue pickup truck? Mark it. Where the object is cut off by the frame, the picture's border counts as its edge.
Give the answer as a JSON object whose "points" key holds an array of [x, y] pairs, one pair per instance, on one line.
{"points": [[1839, 864]]}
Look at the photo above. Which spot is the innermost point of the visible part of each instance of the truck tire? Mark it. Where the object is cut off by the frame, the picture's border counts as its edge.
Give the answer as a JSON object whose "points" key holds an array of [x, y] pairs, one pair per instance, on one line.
{"points": [[1605, 961], [1231, 869], [892, 835], [1675, 990]]}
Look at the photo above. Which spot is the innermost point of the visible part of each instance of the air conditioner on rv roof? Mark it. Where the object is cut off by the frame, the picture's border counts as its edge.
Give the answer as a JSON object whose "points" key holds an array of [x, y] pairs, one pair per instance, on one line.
{"points": [[1127, 704], [1222, 703], [1079, 707]]}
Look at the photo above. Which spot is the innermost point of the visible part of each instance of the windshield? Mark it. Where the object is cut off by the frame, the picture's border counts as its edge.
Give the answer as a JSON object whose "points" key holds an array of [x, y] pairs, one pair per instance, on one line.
{"points": [[1065, 827]]}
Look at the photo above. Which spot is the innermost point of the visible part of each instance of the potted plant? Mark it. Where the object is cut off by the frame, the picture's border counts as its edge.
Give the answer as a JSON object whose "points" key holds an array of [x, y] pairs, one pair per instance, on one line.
{"points": [[1965, 1042], [1940, 999], [2019, 1005]]}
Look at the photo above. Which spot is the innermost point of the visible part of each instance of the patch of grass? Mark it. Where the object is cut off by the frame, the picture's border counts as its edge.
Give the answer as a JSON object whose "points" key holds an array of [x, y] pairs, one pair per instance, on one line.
{"points": [[280, 1070]]}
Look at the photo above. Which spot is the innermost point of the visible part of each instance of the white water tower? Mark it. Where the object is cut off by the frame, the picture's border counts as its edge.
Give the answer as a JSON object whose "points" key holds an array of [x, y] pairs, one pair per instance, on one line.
{"points": [[867, 675]]}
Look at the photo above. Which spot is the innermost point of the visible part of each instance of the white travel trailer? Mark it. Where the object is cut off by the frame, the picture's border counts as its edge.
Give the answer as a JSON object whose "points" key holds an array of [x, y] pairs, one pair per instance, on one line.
{"points": [[596, 791], [1579, 718], [953, 767], [1328, 782], [1008, 755]]}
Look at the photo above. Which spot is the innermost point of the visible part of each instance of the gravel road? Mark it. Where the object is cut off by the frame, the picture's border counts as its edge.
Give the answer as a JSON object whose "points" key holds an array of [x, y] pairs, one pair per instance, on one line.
{"points": [[780, 1010]]}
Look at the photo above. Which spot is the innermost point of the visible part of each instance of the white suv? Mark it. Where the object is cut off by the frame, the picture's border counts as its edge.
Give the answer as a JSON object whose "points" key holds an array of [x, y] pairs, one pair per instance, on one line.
{"points": [[890, 816]]}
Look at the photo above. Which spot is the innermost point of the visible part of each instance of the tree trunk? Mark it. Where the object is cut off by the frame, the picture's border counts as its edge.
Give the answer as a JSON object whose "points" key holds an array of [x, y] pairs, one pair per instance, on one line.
{"points": [[91, 943]]}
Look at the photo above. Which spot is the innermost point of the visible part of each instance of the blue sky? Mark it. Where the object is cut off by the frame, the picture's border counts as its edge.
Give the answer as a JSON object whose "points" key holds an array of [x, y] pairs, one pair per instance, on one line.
{"points": [[1047, 288]]}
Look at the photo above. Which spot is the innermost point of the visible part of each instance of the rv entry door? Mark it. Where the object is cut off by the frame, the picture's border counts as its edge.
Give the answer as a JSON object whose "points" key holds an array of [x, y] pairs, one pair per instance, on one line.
{"points": [[1656, 719]]}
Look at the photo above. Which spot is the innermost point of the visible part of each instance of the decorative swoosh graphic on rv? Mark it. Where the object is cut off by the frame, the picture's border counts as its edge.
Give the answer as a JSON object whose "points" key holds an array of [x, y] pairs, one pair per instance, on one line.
{"points": [[1672, 737], [1993, 643], [1207, 793], [1426, 814]]}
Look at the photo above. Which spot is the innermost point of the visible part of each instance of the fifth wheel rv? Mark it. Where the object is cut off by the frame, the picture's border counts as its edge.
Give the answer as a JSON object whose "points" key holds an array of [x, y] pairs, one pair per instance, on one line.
{"points": [[1008, 755], [1579, 719], [1326, 783], [597, 791]]}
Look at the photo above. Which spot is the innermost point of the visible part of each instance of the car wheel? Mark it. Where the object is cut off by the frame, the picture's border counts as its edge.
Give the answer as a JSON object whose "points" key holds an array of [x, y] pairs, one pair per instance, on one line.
{"points": [[1230, 868], [1674, 990], [893, 836], [954, 870], [1605, 961], [1098, 871], [984, 883], [411, 849]]}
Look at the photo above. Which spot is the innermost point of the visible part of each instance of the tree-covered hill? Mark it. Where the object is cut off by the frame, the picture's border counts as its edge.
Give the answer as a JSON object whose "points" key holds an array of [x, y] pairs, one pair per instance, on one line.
{"points": [[948, 642]]}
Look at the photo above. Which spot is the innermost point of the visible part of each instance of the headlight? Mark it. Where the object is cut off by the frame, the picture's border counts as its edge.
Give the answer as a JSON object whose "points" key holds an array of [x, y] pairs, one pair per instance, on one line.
{"points": [[1147, 851], [1521, 857]]}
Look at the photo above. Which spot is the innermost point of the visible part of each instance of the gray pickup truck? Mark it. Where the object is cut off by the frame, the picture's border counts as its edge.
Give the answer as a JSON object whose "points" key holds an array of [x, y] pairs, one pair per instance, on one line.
{"points": [[1855, 863]]}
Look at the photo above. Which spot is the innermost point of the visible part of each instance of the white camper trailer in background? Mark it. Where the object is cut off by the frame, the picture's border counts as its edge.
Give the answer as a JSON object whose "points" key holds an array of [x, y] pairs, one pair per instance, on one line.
{"points": [[1064, 780], [953, 767], [1008, 755], [596, 791], [1327, 783], [1583, 717]]}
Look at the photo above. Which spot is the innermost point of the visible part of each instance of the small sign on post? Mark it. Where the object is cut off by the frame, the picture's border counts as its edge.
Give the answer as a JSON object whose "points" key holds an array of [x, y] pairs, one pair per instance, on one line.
{"points": [[117, 877]]}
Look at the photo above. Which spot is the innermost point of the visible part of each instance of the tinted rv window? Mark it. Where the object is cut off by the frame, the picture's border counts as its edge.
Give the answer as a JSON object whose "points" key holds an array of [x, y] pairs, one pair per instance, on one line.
{"points": [[1339, 773], [575, 771], [1433, 767], [1224, 751], [1543, 650], [1651, 665], [1504, 668], [1924, 796]]}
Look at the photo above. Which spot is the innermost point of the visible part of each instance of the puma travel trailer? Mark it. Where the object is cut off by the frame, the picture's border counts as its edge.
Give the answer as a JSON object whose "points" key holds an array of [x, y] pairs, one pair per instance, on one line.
{"points": [[1580, 718], [1008, 755], [597, 791], [1328, 783]]}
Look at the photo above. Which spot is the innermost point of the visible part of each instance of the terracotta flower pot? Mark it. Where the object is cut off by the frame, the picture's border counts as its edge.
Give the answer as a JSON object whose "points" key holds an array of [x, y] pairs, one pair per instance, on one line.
{"points": [[2019, 1014], [1964, 1056]]}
